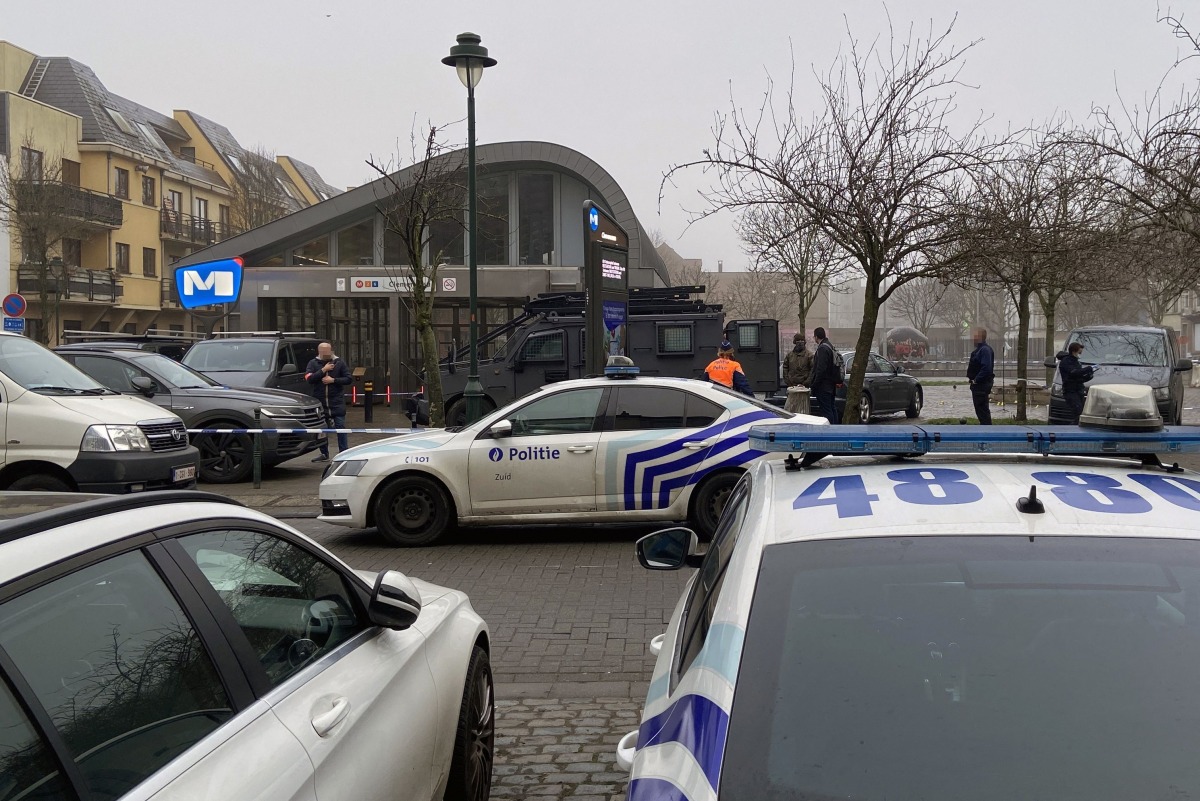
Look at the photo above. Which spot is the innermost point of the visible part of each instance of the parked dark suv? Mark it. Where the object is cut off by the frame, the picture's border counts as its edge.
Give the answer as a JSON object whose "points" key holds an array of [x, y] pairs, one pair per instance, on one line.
{"points": [[168, 343], [268, 359], [1127, 354], [204, 403]]}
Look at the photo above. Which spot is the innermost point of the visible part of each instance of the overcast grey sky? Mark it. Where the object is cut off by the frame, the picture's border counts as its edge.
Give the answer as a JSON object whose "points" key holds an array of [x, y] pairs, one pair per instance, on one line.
{"points": [[634, 85]]}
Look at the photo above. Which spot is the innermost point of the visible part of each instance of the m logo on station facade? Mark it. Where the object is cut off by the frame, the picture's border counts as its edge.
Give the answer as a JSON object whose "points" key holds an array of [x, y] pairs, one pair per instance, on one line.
{"points": [[208, 284]]}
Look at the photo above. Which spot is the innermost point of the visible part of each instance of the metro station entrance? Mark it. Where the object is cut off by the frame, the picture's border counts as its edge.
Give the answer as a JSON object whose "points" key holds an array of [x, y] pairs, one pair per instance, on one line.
{"points": [[358, 327]]}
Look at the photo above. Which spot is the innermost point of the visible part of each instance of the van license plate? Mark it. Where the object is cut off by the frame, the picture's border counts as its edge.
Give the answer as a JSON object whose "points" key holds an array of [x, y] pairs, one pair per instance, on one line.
{"points": [[179, 474]]}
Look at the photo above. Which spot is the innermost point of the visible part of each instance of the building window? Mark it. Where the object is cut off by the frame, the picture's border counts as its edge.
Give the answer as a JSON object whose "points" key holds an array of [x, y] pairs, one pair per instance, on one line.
{"points": [[122, 183], [356, 245], [394, 250], [493, 221], [313, 254], [223, 216], [201, 209], [121, 121], [72, 252], [123, 258], [150, 262], [535, 222], [174, 201], [188, 154], [236, 162], [149, 191], [32, 165], [70, 172]]}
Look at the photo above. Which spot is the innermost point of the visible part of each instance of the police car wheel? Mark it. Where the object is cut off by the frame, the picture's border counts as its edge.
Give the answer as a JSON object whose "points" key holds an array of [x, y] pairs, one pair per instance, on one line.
{"points": [[474, 744], [914, 407], [412, 511], [709, 502]]}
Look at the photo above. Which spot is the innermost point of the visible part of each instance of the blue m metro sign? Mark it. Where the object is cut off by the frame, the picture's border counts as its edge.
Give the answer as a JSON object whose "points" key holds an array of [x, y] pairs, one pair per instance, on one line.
{"points": [[210, 283]]}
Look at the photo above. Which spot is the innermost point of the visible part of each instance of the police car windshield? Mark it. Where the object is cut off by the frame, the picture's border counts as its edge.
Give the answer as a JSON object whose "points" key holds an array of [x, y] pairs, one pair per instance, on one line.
{"points": [[775, 410], [989, 668], [216, 356], [1125, 348]]}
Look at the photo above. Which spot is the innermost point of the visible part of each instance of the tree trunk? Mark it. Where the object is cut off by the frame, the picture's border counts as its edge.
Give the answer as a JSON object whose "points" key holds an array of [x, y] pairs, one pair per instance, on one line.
{"points": [[1024, 295], [862, 349], [802, 315], [1049, 311], [430, 360]]}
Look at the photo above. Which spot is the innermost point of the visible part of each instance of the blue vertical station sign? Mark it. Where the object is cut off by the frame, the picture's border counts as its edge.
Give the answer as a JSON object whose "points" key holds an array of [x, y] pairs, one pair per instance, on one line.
{"points": [[606, 281]]}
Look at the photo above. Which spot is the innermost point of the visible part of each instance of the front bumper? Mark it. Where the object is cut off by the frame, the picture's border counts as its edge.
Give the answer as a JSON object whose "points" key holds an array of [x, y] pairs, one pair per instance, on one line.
{"points": [[126, 471], [344, 499]]}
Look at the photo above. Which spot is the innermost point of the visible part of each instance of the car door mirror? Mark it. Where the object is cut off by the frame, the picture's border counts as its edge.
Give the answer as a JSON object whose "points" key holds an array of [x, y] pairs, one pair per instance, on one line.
{"points": [[669, 549], [395, 601], [501, 428], [1051, 362], [288, 369], [144, 385], [1183, 365], [898, 369]]}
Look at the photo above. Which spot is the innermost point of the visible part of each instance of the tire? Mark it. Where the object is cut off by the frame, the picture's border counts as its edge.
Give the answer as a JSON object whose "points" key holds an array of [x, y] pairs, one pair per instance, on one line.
{"points": [[709, 502], [39, 482], [914, 408], [470, 776], [224, 458], [456, 413], [865, 409], [413, 511]]}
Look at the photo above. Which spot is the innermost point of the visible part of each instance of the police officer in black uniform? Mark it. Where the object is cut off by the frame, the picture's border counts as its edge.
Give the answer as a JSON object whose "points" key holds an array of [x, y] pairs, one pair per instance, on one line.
{"points": [[1074, 376]]}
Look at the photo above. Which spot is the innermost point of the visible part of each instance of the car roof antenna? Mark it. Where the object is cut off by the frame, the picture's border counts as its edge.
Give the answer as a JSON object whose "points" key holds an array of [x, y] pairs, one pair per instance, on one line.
{"points": [[1030, 505]]}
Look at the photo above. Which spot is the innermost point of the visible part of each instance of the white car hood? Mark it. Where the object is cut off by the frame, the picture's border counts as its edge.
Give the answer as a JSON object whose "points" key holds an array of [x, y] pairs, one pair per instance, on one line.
{"points": [[112, 409], [424, 440]]}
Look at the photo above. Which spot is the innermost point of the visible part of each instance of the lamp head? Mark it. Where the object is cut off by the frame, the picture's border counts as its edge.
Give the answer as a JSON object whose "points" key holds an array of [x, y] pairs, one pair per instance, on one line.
{"points": [[469, 58]]}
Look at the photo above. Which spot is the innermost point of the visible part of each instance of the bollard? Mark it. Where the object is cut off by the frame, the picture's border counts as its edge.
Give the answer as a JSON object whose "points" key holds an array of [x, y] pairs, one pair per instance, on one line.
{"points": [[368, 401], [257, 450]]}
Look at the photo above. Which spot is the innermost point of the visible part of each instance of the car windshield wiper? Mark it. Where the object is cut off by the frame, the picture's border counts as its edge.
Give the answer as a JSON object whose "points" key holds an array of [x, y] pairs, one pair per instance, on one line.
{"points": [[53, 388], [1122, 364]]}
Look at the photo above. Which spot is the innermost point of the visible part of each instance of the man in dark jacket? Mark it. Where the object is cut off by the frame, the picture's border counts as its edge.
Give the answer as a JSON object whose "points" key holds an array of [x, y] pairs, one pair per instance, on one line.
{"points": [[797, 365], [981, 372], [1074, 376], [824, 377], [329, 376]]}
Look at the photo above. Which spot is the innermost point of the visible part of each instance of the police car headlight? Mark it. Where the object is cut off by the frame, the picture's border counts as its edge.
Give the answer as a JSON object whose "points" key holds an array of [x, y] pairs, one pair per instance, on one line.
{"points": [[350, 467], [1162, 393], [108, 439]]}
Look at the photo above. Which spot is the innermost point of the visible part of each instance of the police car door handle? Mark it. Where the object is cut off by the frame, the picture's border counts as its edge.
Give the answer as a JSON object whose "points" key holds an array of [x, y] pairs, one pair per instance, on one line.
{"points": [[580, 448], [695, 446], [326, 722]]}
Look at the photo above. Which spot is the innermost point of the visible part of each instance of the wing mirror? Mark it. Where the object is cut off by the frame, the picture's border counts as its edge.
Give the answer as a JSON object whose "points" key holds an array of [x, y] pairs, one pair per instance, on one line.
{"points": [[288, 369], [501, 428], [395, 602], [898, 368], [669, 549], [1050, 362], [1183, 365], [144, 385]]}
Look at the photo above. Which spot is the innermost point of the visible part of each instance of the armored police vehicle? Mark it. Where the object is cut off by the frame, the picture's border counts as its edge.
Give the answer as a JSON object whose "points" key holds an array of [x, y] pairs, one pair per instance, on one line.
{"points": [[670, 334]]}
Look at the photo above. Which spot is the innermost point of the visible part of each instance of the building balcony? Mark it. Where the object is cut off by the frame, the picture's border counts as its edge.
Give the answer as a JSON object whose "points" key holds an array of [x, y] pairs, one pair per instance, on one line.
{"points": [[169, 294], [178, 227], [73, 284], [50, 197]]}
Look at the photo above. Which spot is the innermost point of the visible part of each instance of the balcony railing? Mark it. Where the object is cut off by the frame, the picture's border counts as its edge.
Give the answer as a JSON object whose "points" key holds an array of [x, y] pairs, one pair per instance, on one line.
{"points": [[47, 197], [70, 283], [181, 227], [170, 294]]}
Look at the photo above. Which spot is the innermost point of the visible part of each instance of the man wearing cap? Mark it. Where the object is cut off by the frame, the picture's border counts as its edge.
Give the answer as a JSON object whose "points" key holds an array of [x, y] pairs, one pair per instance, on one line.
{"points": [[725, 371], [797, 365]]}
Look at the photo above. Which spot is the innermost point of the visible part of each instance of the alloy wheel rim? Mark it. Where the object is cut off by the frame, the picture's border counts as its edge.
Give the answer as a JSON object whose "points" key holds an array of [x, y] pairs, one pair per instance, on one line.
{"points": [[481, 742]]}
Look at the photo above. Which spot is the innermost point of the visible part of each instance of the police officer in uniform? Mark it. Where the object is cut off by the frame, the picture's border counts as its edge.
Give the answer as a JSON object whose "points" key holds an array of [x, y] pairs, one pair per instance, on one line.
{"points": [[725, 371], [1074, 376]]}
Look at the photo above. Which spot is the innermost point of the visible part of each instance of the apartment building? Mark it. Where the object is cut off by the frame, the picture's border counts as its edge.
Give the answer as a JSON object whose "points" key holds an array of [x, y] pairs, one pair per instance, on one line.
{"points": [[138, 191]]}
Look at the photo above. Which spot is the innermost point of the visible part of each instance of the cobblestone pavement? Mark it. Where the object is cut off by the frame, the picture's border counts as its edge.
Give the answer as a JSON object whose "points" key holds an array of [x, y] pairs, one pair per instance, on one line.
{"points": [[561, 749]]}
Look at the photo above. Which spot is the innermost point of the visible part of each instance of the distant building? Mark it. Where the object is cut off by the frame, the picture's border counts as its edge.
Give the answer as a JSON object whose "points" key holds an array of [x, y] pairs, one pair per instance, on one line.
{"points": [[147, 189]]}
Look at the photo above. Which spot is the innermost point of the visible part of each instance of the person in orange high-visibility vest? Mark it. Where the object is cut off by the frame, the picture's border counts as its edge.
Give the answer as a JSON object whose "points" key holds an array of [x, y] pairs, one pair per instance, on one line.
{"points": [[725, 371]]}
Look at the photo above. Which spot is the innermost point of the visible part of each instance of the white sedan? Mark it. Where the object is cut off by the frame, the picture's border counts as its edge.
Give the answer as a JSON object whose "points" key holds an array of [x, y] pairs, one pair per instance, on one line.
{"points": [[175, 645], [617, 449]]}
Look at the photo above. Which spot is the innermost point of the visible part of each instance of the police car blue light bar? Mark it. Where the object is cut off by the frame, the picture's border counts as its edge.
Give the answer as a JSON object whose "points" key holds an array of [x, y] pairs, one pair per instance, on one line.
{"points": [[920, 440], [621, 371]]}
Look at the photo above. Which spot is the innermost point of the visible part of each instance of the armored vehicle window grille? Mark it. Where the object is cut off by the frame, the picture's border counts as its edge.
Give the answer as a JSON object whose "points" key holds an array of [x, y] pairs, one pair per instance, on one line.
{"points": [[675, 339], [748, 336], [543, 348]]}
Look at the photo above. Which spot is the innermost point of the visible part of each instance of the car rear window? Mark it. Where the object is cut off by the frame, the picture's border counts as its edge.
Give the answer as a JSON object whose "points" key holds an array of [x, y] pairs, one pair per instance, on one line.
{"points": [[987, 668]]}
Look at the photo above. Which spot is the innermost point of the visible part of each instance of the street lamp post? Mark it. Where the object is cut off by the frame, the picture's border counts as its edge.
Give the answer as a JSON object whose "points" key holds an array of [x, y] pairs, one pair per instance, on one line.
{"points": [[470, 58]]}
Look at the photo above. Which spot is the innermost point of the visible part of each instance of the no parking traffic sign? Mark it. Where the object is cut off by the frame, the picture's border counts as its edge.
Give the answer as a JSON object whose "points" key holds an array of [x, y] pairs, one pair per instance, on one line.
{"points": [[14, 305]]}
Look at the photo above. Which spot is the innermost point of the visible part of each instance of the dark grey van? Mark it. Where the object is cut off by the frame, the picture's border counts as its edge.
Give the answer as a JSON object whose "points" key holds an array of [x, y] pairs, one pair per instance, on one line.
{"points": [[1127, 354]]}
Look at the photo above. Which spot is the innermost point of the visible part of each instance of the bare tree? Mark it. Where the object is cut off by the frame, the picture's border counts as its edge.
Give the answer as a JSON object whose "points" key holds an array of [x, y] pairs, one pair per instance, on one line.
{"points": [[428, 195], [688, 272], [878, 170], [758, 294], [919, 301], [44, 213], [782, 243], [258, 196]]}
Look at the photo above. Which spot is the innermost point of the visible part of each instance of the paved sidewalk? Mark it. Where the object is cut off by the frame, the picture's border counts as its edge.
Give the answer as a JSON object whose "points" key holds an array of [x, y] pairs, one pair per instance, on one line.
{"points": [[555, 749]]}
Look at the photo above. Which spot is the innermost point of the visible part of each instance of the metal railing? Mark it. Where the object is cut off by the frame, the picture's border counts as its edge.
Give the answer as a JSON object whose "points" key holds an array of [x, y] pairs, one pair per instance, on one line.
{"points": [[70, 283], [74, 201], [194, 230]]}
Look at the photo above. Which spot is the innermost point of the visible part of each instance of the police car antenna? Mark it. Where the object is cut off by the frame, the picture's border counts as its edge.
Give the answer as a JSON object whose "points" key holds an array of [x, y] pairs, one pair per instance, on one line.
{"points": [[1030, 505]]}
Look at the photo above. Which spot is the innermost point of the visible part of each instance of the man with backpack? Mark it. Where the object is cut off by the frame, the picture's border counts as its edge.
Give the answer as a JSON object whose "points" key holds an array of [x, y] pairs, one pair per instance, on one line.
{"points": [[828, 370]]}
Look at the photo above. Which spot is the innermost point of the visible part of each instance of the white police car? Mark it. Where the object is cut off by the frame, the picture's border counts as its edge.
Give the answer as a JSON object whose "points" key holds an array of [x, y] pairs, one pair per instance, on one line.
{"points": [[1011, 613], [621, 448], [180, 646]]}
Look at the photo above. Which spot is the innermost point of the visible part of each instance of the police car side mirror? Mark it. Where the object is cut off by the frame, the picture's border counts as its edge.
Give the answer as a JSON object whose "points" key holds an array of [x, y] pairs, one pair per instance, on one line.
{"points": [[668, 549], [395, 602], [1050, 362], [501, 428]]}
